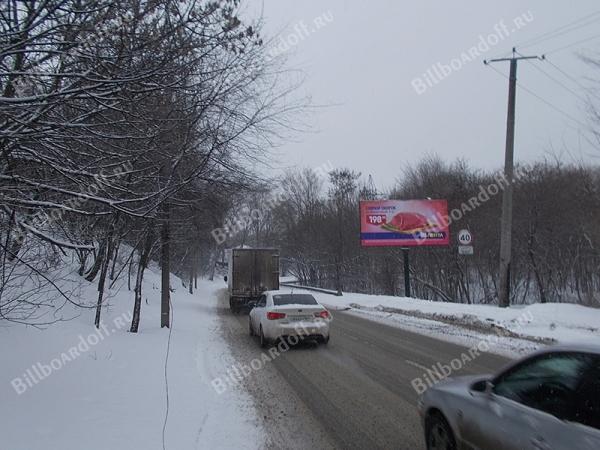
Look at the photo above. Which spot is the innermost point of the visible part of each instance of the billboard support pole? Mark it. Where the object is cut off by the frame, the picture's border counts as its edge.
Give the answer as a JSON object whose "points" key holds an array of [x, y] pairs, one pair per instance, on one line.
{"points": [[406, 272]]}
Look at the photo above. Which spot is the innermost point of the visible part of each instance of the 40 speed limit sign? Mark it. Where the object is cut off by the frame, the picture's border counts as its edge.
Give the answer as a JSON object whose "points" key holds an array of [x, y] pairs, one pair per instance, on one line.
{"points": [[464, 242], [464, 237]]}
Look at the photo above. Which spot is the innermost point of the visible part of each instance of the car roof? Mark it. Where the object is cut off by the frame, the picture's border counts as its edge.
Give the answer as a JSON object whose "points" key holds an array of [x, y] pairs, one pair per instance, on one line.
{"points": [[295, 291], [572, 347]]}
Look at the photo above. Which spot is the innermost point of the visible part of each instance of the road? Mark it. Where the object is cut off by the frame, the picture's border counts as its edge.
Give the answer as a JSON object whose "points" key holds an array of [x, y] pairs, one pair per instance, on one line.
{"points": [[356, 392]]}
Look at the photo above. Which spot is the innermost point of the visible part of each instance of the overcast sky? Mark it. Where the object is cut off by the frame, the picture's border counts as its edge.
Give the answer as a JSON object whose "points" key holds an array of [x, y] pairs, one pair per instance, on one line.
{"points": [[364, 59]]}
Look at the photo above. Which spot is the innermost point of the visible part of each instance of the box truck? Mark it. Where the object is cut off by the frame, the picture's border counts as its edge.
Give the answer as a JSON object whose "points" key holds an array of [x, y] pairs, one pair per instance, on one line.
{"points": [[251, 271]]}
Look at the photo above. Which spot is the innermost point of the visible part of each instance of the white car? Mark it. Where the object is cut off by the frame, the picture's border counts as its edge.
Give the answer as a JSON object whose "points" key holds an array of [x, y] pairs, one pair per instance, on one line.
{"points": [[289, 316]]}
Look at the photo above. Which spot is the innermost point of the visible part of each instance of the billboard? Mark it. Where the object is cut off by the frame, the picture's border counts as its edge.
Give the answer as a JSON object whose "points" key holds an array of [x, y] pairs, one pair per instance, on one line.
{"points": [[404, 223]]}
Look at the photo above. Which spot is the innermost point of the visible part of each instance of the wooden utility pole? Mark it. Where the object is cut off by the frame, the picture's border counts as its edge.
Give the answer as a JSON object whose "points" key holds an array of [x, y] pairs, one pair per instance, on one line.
{"points": [[507, 195]]}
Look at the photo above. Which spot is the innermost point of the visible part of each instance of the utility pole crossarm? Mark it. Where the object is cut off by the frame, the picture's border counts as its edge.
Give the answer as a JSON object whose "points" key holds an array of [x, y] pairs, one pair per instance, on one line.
{"points": [[507, 195], [513, 58], [486, 61]]}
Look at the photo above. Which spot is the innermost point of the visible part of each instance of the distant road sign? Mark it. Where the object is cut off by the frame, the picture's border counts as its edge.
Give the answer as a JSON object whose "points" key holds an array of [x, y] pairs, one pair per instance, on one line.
{"points": [[464, 237]]}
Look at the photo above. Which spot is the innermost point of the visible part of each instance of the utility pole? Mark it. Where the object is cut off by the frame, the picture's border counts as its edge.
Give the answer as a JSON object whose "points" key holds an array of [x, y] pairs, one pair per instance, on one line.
{"points": [[507, 195]]}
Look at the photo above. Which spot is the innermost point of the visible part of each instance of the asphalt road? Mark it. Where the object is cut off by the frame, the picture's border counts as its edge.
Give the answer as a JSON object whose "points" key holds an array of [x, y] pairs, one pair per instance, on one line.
{"points": [[357, 389]]}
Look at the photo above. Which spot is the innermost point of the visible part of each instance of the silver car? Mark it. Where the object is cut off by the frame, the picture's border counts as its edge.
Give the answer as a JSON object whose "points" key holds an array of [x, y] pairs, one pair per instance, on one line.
{"points": [[549, 400]]}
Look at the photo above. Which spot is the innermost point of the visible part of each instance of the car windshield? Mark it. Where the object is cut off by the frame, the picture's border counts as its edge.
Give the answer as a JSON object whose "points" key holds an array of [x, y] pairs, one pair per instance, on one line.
{"points": [[294, 299]]}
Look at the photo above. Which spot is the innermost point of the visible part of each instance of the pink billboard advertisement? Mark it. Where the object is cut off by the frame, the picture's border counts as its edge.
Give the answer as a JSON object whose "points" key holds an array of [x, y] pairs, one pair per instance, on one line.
{"points": [[404, 223]]}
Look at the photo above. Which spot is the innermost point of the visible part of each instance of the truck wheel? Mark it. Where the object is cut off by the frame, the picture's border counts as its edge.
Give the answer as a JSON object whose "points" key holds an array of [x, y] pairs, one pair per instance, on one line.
{"points": [[263, 340]]}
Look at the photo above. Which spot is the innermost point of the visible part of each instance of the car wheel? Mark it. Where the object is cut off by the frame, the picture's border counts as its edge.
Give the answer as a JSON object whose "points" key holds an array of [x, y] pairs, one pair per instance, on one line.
{"points": [[325, 340], [250, 327], [438, 433], [263, 341]]}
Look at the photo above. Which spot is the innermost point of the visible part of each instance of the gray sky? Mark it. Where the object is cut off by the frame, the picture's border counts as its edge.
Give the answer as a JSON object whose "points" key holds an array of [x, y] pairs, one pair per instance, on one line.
{"points": [[363, 58]]}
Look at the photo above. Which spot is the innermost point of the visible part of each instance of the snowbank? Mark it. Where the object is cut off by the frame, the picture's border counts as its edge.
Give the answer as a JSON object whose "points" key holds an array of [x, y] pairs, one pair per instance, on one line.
{"points": [[514, 330], [67, 387]]}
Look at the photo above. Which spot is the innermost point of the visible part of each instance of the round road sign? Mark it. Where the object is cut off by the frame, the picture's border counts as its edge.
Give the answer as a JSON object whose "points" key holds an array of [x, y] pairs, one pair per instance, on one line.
{"points": [[464, 237]]}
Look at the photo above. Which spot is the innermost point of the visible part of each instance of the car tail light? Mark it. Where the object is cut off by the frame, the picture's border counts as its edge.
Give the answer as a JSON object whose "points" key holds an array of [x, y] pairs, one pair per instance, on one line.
{"points": [[275, 315], [323, 314]]}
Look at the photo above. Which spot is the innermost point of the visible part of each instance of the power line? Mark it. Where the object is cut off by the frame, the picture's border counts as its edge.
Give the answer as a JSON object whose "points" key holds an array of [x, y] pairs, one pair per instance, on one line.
{"points": [[577, 24], [569, 76], [556, 108], [573, 44], [529, 91], [546, 74], [560, 31], [583, 126]]}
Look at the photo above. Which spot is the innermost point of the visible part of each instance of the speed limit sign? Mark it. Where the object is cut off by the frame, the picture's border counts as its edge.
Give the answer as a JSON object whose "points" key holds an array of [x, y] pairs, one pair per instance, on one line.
{"points": [[464, 237]]}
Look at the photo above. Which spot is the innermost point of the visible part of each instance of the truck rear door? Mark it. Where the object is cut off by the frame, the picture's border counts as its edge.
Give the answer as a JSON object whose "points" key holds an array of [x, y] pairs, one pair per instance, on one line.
{"points": [[243, 261], [266, 271]]}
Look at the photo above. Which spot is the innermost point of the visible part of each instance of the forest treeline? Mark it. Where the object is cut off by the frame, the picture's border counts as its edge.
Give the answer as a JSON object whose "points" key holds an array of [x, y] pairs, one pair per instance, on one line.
{"points": [[556, 237]]}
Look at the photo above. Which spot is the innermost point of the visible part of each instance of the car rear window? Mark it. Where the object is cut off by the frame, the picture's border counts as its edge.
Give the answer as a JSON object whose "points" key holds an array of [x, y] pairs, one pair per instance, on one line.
{"points": [[294, 299]]}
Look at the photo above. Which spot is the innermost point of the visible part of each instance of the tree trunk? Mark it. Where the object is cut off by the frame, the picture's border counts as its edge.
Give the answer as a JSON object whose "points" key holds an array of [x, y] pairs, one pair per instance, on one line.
{"points": [[129, 274], [531, 254], [538, 277], [13, 246], [143, 263], [98, 263], [165, 294], [112, 270], [83, 256], [192, 268], [213, 264], [101, 281]]}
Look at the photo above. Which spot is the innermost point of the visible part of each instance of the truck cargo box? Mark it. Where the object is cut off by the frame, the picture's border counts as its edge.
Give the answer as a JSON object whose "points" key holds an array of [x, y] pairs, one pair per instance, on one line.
{"points": [[251, 272]]}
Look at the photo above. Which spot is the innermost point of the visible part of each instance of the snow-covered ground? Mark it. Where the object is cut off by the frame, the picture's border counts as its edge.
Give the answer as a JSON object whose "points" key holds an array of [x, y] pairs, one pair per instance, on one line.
{"points": [[108, 391], [109, 386], [508, 331]]}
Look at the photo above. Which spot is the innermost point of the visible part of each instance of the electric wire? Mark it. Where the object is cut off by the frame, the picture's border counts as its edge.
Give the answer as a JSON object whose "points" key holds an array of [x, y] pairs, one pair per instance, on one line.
{"points": [[560, 31], [567, 75], [540, 98], [575, 25], [560, 83], [590, 38]]}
